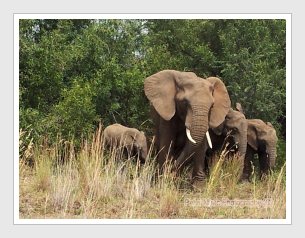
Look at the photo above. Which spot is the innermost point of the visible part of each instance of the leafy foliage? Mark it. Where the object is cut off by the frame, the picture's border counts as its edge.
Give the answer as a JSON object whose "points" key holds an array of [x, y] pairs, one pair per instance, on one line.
{"points": [[73, 73]]}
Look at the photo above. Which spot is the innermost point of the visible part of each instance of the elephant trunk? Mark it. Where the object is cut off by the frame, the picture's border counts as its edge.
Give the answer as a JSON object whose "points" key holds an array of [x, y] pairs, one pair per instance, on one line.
{"points": [[199, 125], [271, 157], [242, 147], [143, 154], [142, 149]]}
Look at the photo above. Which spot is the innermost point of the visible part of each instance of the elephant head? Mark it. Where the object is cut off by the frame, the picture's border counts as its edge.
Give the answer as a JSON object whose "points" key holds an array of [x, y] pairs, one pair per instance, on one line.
{"points": [[140, 144], [236, 126], [263, 139], [200, 103]]}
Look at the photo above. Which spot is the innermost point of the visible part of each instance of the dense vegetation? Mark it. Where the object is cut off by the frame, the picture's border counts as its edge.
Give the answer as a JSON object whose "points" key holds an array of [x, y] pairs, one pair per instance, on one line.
{"points": [[75, 73]]}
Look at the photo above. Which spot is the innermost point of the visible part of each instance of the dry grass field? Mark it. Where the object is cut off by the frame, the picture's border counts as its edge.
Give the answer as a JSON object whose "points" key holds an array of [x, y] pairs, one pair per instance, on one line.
{"points": [[96, 183]]}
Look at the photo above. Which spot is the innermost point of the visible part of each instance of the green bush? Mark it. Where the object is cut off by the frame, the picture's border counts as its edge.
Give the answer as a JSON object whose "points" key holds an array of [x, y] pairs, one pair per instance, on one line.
{"points": [[74, 73], [74, 115]]}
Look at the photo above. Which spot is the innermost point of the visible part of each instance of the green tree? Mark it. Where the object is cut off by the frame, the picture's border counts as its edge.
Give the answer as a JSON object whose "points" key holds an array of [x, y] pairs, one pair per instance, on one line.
{"points": [[254, 66], [73, 73], [75, 114]]}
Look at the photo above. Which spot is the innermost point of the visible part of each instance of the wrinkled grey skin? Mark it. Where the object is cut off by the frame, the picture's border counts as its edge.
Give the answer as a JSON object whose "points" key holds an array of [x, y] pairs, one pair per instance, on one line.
{"points": [[133, 140], [262, 140], [180, 101], [231, 135]]}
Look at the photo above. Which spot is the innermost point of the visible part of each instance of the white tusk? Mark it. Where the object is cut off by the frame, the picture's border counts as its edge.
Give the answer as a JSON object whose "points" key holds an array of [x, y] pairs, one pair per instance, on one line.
{"points": [[188, 134], [209, 139]]}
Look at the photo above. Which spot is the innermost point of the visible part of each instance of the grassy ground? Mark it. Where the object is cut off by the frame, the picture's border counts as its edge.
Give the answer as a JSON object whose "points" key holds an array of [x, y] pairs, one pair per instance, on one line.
{"points": [[97, 183]]}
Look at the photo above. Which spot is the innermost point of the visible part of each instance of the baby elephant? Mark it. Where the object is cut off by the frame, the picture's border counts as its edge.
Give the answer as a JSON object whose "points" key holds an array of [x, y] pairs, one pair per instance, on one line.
{"points": [[262, 140], [131, 139]]}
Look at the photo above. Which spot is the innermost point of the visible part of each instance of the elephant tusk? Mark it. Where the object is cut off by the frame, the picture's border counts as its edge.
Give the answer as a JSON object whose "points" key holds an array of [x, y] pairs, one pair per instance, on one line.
{"points": [[209, 139], [188, 134]]}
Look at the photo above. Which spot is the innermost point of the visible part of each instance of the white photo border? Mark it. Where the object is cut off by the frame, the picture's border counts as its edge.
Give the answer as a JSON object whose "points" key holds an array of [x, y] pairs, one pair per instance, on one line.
{"points": [[285, 16]]}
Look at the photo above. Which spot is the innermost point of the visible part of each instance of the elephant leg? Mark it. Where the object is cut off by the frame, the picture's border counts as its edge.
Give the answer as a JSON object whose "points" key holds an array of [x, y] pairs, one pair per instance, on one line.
{"points": [[208, 161], [165, 137], [263, 164], [184, 156]]}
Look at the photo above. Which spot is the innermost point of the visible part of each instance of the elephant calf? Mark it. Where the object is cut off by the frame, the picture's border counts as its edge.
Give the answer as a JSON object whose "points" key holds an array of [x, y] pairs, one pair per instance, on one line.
{"points": [[230, 135], [262, 140], [131, 139]]}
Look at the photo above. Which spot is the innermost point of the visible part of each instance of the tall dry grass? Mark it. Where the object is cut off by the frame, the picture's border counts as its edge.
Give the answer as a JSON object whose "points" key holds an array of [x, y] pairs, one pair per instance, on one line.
{"points": [[97, 182]]}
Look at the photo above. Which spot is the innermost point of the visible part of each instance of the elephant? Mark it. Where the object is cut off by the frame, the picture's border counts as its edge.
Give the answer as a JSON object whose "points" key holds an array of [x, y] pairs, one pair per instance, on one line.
{"points": [[184, 106], [230, 135], [262, 140], [131, 139]]}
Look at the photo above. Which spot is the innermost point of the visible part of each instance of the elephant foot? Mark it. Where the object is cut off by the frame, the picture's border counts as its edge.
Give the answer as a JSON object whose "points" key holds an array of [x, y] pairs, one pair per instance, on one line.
{"points": [[199, 185], [186, 186], [244, 179]]}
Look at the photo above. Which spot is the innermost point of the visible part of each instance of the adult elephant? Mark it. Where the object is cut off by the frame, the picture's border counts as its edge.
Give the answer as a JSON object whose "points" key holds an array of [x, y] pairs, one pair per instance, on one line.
{"points": [[262, 140], [184, 107], [230, 135]]}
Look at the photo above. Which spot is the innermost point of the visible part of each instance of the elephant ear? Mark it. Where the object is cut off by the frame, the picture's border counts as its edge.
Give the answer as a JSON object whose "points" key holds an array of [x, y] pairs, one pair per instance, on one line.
{"points": [[222, 102], [239, 108], [130, 136], [161, 88], [252, 135]]}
